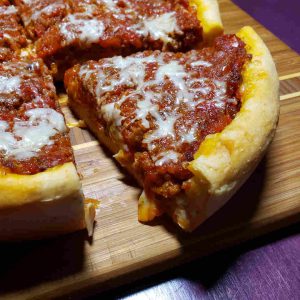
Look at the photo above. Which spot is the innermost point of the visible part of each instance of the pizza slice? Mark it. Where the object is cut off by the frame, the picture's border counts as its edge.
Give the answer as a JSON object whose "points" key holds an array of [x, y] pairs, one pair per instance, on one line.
{"points": [[104, 28], [40, 190], [190, 127]]}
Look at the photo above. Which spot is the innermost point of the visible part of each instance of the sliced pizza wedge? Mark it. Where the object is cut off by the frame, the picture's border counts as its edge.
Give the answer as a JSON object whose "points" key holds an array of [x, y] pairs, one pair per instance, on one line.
{"points": [[191, 127], [40, 190], [97, 29]]}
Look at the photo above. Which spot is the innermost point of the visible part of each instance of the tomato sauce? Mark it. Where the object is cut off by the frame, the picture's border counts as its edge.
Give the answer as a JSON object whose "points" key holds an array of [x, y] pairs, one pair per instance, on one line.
{"points": [[162, 105], [12, 34], [94, 30], [40, 15], [33, 136]]}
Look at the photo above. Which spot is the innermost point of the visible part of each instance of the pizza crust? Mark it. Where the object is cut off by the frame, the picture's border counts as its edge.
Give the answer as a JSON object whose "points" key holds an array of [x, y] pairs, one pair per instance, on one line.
{"points": [[209, 15], [225, 160], [42, 205]]}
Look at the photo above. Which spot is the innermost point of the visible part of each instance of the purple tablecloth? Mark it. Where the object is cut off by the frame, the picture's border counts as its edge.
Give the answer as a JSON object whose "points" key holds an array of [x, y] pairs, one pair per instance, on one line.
{"points": [[267, 268], [265, 272], [282, 17]]}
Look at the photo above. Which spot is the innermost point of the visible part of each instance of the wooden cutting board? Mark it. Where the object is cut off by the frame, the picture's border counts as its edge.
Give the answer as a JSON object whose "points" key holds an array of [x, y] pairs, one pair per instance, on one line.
{"points": [[122, 249]]}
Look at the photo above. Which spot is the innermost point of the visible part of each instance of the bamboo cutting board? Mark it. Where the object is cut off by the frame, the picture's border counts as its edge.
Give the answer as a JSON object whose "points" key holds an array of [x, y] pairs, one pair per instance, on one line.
{"points": [[122, 249]]}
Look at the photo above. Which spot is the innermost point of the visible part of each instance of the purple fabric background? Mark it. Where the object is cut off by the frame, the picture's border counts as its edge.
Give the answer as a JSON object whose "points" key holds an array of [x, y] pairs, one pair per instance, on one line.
{"points": [[282, 17], [267, 268]]}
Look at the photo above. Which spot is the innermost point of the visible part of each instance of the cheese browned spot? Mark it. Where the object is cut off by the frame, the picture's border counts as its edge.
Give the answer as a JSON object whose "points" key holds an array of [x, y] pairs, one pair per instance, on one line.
{"points": [[158, 107]]}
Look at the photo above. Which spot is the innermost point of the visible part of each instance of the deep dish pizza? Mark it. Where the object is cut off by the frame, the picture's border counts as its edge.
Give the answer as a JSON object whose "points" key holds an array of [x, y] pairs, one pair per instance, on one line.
{"points": [[189, 126]]}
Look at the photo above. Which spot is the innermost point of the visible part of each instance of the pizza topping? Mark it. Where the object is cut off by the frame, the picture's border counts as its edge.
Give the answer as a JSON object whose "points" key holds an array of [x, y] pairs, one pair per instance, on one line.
{"points": [[77, 26], [9, 84], [159, 28], [106, 28], [44, 11], [161, 106], [7, 10], [177, 81], [33, 135], [89, 25], [12, 36], [28, 137], [40, 15]]}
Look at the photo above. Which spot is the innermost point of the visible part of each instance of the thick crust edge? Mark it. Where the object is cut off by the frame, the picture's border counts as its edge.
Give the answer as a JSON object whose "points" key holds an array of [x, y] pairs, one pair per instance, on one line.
{"points": [[42, 205], [225, 160], [209, 15]]}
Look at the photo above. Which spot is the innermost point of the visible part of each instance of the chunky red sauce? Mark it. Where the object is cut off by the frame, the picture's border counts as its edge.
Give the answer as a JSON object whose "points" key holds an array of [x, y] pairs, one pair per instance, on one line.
{"points": [[12, 35], [39, 15], [161, 106], [33, 137], [95, 29]]}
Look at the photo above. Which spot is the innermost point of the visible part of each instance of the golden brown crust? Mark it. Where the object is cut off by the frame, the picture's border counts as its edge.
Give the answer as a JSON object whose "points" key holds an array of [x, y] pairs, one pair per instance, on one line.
{"points": [[209, 15], [225, 160], [41, 205]]}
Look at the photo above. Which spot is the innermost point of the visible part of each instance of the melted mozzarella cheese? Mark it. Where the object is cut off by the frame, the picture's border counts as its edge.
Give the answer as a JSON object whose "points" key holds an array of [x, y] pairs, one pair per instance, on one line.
{"points": [[7, 10], [188, 135], [110, 5], [3, 126], [28, 137], [132, 73], [86, 30], [201, 63], [159, 28], [111, 113], [30, 2], [46, 10], [165, 127], [166, 156], [9, 84]]}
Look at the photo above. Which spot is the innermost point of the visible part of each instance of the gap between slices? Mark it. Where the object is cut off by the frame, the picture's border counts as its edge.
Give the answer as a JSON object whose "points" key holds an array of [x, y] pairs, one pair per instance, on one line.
{"points": [[154, 110]]}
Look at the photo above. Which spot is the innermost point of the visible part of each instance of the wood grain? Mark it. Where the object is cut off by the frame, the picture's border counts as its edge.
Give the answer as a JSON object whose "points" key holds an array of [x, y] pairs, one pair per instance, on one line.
{"points": [[122, 249], [289, 86]]}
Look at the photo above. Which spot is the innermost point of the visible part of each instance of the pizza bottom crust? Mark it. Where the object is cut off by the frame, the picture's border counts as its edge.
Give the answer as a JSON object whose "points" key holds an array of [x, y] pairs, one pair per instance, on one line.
{"points": [[43, 205]]}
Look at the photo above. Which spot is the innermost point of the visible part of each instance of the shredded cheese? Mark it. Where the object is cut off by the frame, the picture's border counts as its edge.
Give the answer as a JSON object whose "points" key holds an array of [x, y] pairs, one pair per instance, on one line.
{"points": [[9, 84], [77, 26], [161, 27], [8, 10], [28, 137]]}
